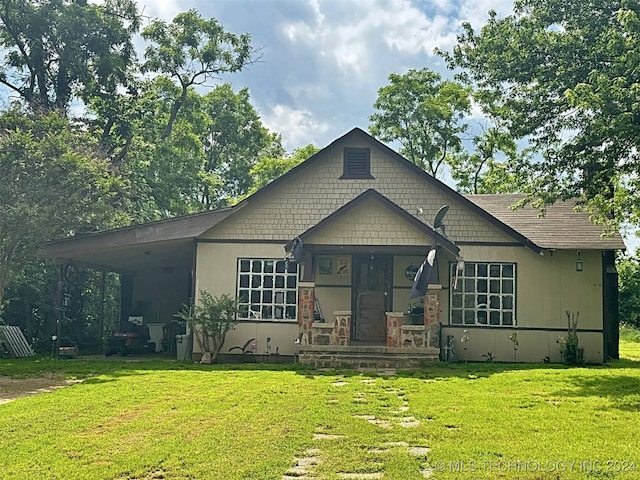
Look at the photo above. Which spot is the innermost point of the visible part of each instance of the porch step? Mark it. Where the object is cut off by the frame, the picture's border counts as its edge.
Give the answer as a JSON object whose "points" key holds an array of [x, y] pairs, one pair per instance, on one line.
{"points": [[367, 357]]}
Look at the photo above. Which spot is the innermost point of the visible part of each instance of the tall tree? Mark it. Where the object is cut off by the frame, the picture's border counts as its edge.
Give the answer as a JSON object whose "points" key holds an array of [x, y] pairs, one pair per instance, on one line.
{"points": [[489, 167], [234, 141], [564, 75], [629, 296], [424, 114], [55, 49], [53, 185], [192, 51]]}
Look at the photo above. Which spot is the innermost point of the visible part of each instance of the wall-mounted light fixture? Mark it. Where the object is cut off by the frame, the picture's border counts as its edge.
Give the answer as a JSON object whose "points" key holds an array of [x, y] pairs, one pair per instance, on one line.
{"points": [[579, 263]]}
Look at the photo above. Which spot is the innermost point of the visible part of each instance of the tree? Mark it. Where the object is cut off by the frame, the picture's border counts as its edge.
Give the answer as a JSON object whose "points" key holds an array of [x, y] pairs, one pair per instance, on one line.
{"points": [[191, 51], [210, 320], [55, 49], [423, 113], [269, 168], [482, 171], [234, 141], [629, 294], [563, 75], [53, 185]]}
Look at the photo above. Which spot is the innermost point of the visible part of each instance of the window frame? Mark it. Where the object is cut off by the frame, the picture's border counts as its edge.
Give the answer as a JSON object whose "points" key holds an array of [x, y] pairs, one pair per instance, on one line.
{"points": [[261, 288], [500, 299]]}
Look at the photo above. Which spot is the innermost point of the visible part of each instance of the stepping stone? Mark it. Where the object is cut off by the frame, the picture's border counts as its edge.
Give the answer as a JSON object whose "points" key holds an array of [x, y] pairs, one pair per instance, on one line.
{"points": [[409, 422], [419, 450], [339, 384]]}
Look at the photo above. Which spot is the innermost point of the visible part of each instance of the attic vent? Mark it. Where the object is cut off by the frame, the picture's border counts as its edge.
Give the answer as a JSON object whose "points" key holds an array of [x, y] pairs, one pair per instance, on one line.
{"points": [[357, 163]]}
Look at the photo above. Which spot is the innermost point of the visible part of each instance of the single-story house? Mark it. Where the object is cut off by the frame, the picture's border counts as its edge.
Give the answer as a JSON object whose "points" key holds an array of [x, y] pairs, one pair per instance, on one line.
{"points": [[322, 262]]}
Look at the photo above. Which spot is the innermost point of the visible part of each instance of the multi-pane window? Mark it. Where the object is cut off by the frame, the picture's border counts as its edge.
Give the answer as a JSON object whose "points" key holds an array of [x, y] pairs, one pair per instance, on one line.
{"points": [[485, 294], [267, 289]]}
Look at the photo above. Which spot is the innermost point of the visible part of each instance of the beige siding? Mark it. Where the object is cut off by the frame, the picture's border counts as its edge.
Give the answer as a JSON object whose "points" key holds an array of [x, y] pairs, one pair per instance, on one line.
{"points": [[316, 191], [217, 273], [333, 291], [533, 345], [547, 286], [370, 223]]}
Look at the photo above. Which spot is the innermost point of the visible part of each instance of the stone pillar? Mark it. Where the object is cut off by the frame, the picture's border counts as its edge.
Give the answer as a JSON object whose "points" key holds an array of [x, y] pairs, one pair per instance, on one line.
{"points": [[432, 315], [394, 329], [432, 305], [306, 308], [342, 327]]}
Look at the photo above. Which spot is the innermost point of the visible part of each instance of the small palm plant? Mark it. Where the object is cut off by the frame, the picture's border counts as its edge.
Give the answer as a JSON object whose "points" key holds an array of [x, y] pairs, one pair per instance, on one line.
{"points": [[210, 320]]}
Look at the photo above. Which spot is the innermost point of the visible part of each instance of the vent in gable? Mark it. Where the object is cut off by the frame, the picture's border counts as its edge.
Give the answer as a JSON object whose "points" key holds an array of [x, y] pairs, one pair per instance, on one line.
{"points": [[357, 163]]}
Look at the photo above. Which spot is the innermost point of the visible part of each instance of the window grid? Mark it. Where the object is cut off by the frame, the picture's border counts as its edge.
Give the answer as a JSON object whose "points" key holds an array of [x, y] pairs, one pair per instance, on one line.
{"points": [[485, 294], [267, 289]]}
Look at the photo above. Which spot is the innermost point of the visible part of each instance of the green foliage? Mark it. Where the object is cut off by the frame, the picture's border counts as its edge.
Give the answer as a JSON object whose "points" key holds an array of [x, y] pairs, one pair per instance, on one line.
{"points": [[61, 48], [54, 184], [629, 334], [190, 51], [423, 113], [570, 350], [269, 168], [562, 74], [629, 289], [210, 320]]}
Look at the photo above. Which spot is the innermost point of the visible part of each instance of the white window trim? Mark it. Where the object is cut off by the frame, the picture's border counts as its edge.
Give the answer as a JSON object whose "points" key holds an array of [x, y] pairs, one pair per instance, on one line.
{"points": [[483, 307], [263, 293]]}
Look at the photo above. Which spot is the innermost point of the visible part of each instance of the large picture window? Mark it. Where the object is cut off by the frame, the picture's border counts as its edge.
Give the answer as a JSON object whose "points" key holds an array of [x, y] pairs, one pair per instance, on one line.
{"points": [[267, 289], [485, 294]]}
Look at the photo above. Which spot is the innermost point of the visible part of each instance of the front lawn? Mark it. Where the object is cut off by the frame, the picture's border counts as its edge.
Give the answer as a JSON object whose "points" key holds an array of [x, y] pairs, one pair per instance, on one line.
{"points": [[172, 420]]}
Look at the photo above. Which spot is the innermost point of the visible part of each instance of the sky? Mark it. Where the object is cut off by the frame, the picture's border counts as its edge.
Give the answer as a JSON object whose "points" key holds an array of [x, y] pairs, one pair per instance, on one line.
{"points": [[322, 61]]}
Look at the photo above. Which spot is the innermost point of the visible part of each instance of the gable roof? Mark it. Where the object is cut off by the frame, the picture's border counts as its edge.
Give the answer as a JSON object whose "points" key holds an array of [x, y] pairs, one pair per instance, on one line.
{"points": [[396, 209], [562, 227], [395, 156]]}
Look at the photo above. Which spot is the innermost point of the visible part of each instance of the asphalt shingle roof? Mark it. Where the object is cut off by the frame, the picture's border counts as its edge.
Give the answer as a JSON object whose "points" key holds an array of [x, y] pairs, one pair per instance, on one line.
{"points": [[561, 227]]}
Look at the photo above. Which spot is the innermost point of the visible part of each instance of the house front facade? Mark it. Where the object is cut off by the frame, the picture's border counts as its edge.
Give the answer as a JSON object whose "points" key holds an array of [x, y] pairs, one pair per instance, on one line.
{"points": [[323, 260]]}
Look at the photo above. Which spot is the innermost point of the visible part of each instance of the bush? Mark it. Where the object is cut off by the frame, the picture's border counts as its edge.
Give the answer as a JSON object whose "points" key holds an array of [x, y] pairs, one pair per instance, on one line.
{"points": [[210, 320], [570, 350]]}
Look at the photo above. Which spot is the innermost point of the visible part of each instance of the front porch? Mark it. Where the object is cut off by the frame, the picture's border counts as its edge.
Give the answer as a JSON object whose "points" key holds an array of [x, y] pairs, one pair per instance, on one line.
{"points": [[411, 340]]}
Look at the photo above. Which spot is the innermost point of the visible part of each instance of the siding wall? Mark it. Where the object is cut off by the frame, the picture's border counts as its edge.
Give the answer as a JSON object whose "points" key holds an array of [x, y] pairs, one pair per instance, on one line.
{"points": [[316, 191]]}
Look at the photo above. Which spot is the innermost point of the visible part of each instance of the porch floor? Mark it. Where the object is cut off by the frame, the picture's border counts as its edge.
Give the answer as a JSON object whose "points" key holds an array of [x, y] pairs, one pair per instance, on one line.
{"points": [[367, 357]]}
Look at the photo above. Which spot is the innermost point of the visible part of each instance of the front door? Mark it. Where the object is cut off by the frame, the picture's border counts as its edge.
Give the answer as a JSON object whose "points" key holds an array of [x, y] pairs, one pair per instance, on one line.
{"points": [[372, 281]]}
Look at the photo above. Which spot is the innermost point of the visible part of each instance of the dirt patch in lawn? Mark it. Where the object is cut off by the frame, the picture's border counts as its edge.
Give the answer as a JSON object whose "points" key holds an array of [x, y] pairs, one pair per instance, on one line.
{"points": [[13, 388]]}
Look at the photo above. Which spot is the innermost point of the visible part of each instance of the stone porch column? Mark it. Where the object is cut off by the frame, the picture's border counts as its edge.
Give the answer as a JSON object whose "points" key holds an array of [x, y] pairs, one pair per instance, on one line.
{"points": [[306, 309], [432, 315], [394, 329], [342, 327]]}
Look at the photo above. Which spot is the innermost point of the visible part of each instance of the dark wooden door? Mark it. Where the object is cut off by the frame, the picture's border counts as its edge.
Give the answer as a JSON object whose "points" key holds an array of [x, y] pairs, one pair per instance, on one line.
{"points": [[372, 288]]}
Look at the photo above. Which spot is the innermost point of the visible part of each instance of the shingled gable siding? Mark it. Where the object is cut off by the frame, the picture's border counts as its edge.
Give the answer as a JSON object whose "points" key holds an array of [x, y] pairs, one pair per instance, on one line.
{"points": [[354, 228], [316, 191]]}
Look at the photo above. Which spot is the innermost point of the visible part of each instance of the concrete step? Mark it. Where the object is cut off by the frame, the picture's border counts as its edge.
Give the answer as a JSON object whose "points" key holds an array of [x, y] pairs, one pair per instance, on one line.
{"points": [[367, 358]]}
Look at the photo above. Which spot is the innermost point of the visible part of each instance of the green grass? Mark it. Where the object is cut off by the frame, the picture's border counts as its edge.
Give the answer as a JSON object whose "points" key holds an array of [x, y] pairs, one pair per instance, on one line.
{"points": [[172, 420]]}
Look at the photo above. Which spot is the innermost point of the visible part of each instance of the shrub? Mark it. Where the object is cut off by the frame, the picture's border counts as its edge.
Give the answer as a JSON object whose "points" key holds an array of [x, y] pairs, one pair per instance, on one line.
{"points": [[210, 320], [570, 350]]}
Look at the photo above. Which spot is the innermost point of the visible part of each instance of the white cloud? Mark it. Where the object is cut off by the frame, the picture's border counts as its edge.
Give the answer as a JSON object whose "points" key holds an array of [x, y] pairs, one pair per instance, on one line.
{"points": [[298, 127]]}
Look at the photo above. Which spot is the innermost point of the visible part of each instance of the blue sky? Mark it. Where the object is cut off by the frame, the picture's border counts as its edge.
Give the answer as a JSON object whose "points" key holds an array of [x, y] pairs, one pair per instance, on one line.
{"points": [[323, 61]]}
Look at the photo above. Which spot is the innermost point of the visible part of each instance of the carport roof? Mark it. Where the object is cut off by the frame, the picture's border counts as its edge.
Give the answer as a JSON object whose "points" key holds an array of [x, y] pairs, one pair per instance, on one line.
{"points": [[169, 241]]}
